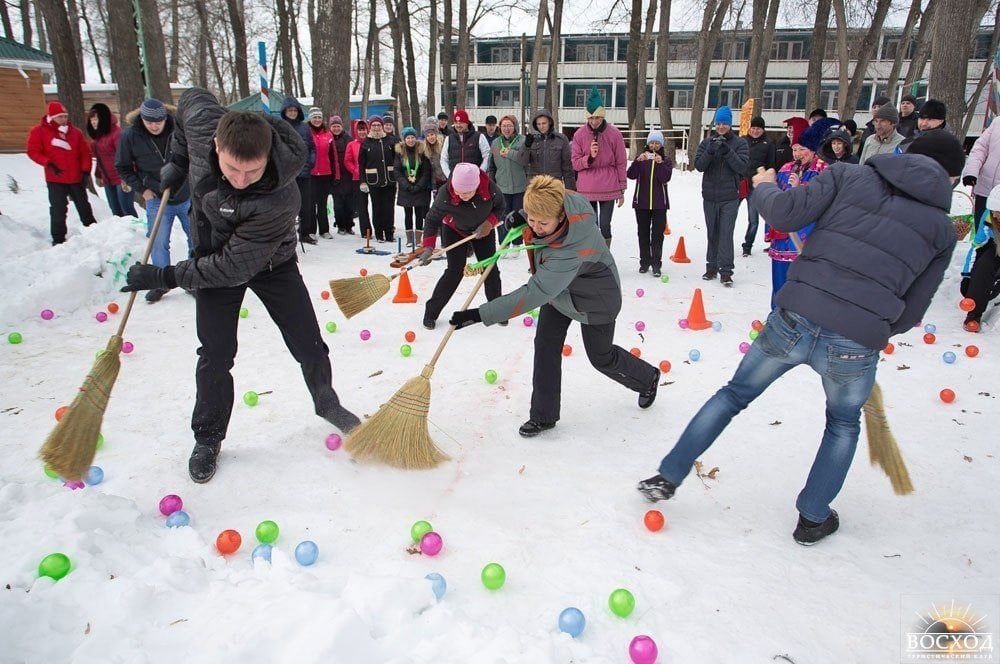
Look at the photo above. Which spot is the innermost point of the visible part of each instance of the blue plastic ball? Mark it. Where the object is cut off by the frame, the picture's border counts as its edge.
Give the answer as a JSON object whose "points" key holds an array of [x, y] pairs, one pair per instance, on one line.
{"points": [[438, 584], [694, 355], [178, 519], [948, 357], [930, 328], [717, 326], [306, 553], [261, 552], [95, 475], [572, 622]]}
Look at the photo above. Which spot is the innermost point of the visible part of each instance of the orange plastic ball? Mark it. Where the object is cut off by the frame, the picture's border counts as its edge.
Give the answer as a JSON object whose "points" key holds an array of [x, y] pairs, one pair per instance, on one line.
{"points": [[228, 542], [889, 349], [654, 520], [325, 295], [410, 336], [929, 338], [972, 326], [664, 366], [757, 325], [567, 350], [967, 304], [364, 272], [947, 395], [113, 307], [60, 411], [972, 351], [636, 352]]}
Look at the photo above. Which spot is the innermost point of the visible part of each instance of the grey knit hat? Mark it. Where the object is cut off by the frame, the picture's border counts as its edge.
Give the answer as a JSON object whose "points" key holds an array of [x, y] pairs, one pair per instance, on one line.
{"points": [[153, 110], [887, 112]]}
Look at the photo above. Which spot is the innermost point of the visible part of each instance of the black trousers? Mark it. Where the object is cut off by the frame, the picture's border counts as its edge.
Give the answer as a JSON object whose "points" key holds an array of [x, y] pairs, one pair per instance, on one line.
{"points": [[409, 212], [286, 299], [322, 189], [651, 224], [59, 192], [343, 206], [384, 211], [603, 210], [361, 207], [455, 270], [598, 340], [307, 215], [983, 278]]}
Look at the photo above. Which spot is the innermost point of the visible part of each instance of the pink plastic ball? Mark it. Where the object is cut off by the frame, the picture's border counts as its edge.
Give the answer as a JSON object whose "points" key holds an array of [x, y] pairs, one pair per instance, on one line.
{"points": [[640, 326], [74, 485], [744, 347], [333, 442], [683, 323], [101, 316], [528, 321], [431, 543], [365, 335], [128, 347], [643, 650], [639, 292], [47, 314], [170, 503]]}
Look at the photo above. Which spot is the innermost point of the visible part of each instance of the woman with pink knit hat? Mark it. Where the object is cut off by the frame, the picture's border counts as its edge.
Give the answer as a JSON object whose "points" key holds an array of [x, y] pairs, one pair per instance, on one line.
{"points": [[470, 204]]}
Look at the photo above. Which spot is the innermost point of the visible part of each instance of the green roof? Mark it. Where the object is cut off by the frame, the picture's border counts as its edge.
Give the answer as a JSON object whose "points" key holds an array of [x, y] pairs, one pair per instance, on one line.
{"points": [[275, 99], [12, 50]]}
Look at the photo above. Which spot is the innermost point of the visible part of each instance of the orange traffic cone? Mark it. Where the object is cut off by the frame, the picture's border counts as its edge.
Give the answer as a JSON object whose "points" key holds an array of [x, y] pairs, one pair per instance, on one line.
{"points": [[666, 226], [405, 294], [680, 256], [696, 314]]}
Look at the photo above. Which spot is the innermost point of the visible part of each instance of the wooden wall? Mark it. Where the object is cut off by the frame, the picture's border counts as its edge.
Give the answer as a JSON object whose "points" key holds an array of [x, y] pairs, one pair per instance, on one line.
{"points": [[110, 97], [22, 105]]}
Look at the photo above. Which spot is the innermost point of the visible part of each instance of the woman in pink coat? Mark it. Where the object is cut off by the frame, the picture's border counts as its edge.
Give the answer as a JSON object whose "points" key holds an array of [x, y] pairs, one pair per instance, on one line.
{"points": [[600, 161], [982, 170]]}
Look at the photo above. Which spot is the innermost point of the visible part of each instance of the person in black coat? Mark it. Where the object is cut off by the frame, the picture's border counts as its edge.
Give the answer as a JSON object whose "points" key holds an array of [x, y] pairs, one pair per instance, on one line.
{"points": [[343, 182], [242, 168], [761, 156], [377, 159], [413, 169], [292, 112], [837, 147]]}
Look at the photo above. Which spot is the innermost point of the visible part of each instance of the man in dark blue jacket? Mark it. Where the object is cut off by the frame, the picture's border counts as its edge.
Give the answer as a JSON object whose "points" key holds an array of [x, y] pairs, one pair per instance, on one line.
{"points": [[292, 111], [878, 252]]}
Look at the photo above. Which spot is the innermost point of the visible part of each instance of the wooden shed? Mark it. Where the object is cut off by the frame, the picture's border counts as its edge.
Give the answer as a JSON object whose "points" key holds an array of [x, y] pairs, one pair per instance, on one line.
{"points": [[22, 69], [107, 93]]}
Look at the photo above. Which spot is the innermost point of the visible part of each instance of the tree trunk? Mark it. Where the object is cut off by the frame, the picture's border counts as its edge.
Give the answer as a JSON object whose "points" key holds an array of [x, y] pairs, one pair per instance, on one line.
{"points": [[639, 125], [866, 52], [552, 88], [293, 24], [73, 15], [843, 58], [203, 37], [240, 47], [175, 40], [370, 46], [814, 76], [756, 89], [40, 29], [925, 35], [333, 84], [284, 47], [411, 64], [949, 69], [462, 76], [536, 56], [8, 28], [26, 22], [126, 69], [398, 81], [90, 40], [378, 59], [632, 62], [662, 76], [356, 71], [447, 98], [156, 58], [758, 20], [432, 64], [67, 67], [902, 49], [711, 26]]}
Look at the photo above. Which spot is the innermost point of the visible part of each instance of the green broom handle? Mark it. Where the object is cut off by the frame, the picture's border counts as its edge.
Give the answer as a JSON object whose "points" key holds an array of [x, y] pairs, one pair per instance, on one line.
{"points": [[145, 257]]}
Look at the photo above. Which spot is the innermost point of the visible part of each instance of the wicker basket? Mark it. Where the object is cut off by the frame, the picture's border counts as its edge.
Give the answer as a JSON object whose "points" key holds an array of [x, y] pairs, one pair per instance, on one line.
{"points": [[963, 222]]}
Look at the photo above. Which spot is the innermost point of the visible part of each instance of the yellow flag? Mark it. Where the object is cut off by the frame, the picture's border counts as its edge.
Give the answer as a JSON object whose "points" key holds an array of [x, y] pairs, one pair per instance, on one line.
{"points": [[745, 112]]}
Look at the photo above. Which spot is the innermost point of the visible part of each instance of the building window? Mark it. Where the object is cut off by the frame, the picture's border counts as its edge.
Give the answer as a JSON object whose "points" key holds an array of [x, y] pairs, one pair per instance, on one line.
{"points": [[733, 50], [683, 50], [776, 100], [500, 54], [581, 94], [592, 53], [731, 98], [786, 50], [506, 97], [680, 98], [828, 99]]}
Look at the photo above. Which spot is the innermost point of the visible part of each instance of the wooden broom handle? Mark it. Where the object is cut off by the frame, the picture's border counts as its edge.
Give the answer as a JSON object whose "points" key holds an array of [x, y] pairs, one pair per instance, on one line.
{"points": [[452, 328], [145, 257]]}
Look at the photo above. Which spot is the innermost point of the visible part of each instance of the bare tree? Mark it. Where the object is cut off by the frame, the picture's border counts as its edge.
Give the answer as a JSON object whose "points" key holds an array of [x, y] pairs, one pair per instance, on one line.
{"points": [[155, 58], [90, 40], [662, 77], [843, 54], [765, 19], [462, 75], [284, 47], [333, 84], [125, 64], [175, 40], [711, 26], [925, 34], [40, 29], [73, 16], [398, 82], [984, 78], [378, 59], [432, 60], [902, 50], [67, 68], [949, 70], [370, 46], [8, 28], [293, 24], [637, 65], [817, 53], [240, 46], [866, 52], [26, 22], [447, 98], [411, 64], [552, 87], [536, 54]]}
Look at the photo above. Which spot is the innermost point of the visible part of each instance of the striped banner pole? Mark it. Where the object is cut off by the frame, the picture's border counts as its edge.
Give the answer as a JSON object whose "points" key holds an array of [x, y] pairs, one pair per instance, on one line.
{"points": [[262, 72]]}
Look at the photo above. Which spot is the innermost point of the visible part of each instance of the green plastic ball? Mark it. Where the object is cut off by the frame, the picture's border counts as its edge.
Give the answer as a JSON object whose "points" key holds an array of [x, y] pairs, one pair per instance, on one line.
{"points": [[621, 603], [665, 278], [534, 313], [331, 327], [51, 473], [14, 338], [267, 532], [405, 350], [754, 334], [490, 376], [244, 312], [419, 529], [55, 566], [493, 576], [100, 441], [251, 398]]}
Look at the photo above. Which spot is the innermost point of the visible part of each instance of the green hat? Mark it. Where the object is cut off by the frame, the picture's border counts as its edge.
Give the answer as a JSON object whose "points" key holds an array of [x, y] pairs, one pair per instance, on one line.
{"points": [[595, 104]]}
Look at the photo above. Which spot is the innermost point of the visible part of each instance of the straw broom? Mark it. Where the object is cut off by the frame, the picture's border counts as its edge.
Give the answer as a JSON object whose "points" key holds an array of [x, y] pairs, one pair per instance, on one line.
{"points": [[69, 449], [356, 294]]}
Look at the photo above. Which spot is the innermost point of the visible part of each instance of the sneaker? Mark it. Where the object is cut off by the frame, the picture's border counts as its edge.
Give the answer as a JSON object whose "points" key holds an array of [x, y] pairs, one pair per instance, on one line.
{"points": [[309, 239], [657, 488], [808, 532], [203, 462], [643, 269], [350, 231], [727, 280], [531, 428], [709, 275], [430, 324], [647, 398], [326, 236], [656, 272], [155, 295], [746, 251]]}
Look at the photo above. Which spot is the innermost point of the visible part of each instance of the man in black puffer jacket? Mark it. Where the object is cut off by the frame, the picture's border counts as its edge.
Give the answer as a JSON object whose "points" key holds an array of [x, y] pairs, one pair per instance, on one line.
{"points": [[242, 169], [880, 246], [761, 155]]}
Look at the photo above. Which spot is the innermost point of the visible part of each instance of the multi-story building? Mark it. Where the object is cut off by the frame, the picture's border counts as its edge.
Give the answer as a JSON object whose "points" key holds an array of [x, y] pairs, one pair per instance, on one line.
{"points": [[587, 60]]}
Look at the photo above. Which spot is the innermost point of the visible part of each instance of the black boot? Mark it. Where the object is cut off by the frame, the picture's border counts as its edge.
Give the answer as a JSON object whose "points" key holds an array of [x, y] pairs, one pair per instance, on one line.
{"points": [[429, 323], [647, 398], [657, 488], [709, 275], [340, 417], [203, 461], [643, 269], [809, 532], [532, 428], [726, 280]]}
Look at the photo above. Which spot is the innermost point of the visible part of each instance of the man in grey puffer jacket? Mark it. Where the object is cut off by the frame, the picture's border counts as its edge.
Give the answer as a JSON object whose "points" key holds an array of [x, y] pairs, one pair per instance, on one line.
{"points": [[242, 169], [880, 246], [547, 151]]}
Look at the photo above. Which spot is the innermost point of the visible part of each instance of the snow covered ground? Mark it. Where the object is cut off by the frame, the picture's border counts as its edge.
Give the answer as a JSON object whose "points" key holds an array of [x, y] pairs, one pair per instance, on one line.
{"points": [[723, 582]]}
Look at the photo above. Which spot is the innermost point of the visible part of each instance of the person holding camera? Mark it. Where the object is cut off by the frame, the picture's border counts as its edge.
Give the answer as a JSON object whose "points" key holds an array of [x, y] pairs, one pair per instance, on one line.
{"points": [[651, 170]]}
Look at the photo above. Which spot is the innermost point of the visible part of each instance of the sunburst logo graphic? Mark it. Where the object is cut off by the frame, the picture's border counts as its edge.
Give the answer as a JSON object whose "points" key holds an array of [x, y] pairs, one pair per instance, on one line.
{"points": [[950, 632]]}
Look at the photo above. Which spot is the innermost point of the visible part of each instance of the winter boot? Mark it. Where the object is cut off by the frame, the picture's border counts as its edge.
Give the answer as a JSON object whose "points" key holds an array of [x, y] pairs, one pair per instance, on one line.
{"points": [[340, 417], [409, 239], [809, 532], [203, 461], [647, 398], [710, 275], [155, 295], [972, 323], [531, 428], [656, 272], [643, 269], [657, 488], [430, 324], [419, 235], [726, 280]]}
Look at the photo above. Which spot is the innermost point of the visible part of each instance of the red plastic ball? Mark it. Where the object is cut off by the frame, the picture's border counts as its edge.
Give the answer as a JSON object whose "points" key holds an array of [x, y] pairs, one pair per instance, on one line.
{"points": [[410, 336], [325, 295], [567, 350], [664, 366], [947, 395], [113, 307], [967, 304], [636, 352], [972, 351], [929, 338], [228, 542], [972, 326], [889, 349], [364, 272], [60, 412], [757, 325], [654, 520]]}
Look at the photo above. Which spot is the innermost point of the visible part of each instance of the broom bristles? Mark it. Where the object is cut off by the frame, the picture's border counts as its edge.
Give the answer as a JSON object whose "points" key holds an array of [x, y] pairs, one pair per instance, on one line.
{"points": [[883, 449], [69, 449], [356, 294], [397, 434]]}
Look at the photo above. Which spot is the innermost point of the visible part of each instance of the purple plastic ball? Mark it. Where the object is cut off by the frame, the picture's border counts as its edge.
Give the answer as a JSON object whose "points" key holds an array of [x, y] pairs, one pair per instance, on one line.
{"points": [[643, 650], [639, 292], [101, 316], [128, 347], [683, 323], [640, 326], [528, 321], [74, 485], [170, 503], [333, 442], [47, 314], [365, 335], [431, 543], [744, 347]]}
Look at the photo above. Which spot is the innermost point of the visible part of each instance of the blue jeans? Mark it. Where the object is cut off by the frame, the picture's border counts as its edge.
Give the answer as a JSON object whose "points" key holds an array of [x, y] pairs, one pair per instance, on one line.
{"points": [[753, 221], [161, 246], [788, 340], [779, 275], [121, 202]]}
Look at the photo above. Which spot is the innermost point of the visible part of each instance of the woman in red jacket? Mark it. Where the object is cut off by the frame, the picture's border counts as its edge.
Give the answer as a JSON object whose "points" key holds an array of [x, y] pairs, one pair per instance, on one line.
{"points": [[360, 188], [103, 129]]}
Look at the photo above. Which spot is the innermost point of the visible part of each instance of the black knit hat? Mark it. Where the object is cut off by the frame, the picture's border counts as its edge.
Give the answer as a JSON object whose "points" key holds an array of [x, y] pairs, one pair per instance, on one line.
{"points": [[942, 147], [758, 121], [818, 113], [851, 126], [880, 101], [491, 119], [933, 110], [443, 116], [909, 98]]}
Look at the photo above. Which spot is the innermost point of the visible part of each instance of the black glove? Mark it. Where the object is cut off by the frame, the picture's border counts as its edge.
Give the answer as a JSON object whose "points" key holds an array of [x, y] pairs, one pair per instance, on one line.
{"points": [[969, 181], [513, 219], [426, 256], [55, 169], [528, 140], [723, 147], [465, 318], [172, 177], [147, 277]]}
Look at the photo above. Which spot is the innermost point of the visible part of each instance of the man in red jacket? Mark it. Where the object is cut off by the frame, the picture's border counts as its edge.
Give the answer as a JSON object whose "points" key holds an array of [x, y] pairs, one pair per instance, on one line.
{"points": [[60, 148]]}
